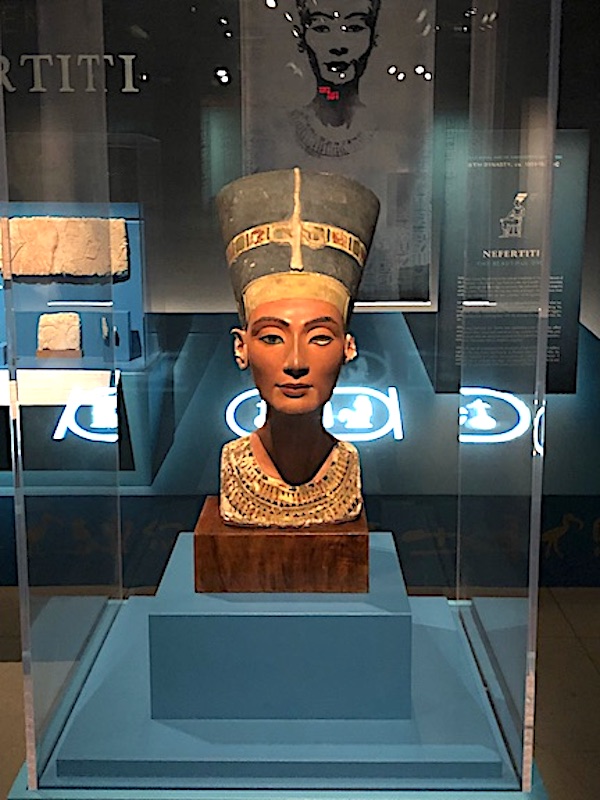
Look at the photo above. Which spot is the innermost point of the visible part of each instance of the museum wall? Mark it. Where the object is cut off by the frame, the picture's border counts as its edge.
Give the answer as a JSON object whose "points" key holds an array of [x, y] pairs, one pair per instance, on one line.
{"points": [[423, 464], [579, 107], [169, 154]]}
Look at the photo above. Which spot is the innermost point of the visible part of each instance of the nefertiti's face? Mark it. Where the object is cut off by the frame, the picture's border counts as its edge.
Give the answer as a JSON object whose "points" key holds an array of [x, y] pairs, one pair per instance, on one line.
{"points": [[295, 348], [338, 35]]}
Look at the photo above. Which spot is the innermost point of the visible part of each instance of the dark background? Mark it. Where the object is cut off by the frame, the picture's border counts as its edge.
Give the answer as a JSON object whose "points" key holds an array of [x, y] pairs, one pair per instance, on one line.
{"points": [[172, 182]]}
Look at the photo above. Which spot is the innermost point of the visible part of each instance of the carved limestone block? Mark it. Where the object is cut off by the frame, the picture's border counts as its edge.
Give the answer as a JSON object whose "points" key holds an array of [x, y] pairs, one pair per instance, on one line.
{"points": [[59, 334], [75, 246]]}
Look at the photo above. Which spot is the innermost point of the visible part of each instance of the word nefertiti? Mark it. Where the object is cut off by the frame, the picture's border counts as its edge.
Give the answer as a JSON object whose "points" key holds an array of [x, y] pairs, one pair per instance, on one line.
{"points": [[68, 68]]}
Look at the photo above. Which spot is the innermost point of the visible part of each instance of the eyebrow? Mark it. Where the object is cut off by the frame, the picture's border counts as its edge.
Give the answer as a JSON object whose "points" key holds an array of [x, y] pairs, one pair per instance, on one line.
{"points": [[313, 15], [269, 321], [320, 321], [278, 321]]}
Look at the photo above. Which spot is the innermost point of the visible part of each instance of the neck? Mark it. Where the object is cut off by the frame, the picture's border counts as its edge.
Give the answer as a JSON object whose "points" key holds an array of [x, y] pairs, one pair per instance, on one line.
{"points": [[297, 445], [339, 109]]}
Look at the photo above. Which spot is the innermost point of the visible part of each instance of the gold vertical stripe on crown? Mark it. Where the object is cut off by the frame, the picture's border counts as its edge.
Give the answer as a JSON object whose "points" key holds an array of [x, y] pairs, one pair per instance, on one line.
{"points": [[296, 256], [297, 233]]}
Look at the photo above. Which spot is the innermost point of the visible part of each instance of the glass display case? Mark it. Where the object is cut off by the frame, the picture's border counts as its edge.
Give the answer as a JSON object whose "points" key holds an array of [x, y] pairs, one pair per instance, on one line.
{"points": [[122, 121]]}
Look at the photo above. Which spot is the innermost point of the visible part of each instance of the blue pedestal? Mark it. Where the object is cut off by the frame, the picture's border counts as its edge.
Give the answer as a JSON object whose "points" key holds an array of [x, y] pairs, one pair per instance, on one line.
{"points": [[110, 742], [291, 656]]}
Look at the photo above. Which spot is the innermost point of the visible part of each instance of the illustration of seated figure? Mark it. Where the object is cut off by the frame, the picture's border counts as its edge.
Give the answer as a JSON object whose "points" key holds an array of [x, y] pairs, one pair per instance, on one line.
{"points": [[296, 245]]}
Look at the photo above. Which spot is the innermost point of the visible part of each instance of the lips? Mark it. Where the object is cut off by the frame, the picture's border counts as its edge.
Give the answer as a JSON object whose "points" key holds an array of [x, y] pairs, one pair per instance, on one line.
{"points": [[338, 66], [293, 389]]}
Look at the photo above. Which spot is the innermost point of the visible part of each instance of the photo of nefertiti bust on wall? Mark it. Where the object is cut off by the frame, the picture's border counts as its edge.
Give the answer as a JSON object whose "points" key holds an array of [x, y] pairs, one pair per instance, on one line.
{"points": [[347, 86]]}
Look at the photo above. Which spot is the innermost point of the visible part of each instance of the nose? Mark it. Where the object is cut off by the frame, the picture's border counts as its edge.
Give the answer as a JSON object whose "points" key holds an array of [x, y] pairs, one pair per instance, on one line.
{"points": [[338, 51], [296, 372], [296, 364]]}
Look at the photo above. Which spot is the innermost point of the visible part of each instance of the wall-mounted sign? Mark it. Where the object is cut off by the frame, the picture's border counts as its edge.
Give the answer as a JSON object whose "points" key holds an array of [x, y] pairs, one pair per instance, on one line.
{"points": [[351, 92]]}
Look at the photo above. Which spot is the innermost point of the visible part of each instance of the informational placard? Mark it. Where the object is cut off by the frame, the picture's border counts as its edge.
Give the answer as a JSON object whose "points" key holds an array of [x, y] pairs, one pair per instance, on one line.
{"points": [[493, 290]]}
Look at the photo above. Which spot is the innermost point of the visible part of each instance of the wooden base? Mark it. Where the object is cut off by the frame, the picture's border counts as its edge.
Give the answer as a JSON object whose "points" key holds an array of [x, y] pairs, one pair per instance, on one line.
{"points": [[325, 558], [58, 353]]}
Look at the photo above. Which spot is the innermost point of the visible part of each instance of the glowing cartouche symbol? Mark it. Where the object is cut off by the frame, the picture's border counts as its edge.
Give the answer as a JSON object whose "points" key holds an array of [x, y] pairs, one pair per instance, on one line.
{"points": [[328, 418], [356, 418], [104, 412], [359, 415], [475, 416], [103, 404], [261, 417]]}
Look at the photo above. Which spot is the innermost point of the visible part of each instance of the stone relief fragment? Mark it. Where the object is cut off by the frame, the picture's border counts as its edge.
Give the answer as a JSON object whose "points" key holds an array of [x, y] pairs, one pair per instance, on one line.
{"points": [[59, 331], [80, 247]]}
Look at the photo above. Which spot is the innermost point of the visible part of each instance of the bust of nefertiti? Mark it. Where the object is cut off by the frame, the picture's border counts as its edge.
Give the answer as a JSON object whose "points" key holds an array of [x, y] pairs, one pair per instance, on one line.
{"points": [[296, 245]]}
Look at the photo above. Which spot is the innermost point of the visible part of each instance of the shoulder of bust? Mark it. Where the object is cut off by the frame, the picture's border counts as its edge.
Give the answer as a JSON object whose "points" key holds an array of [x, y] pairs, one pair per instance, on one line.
{"points": [[236, 445], [236, 455], [348, 448]]}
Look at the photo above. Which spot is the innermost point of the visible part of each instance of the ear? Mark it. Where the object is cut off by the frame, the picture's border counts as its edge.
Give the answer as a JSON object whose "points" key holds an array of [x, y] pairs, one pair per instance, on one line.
{"points": [[350, 349], [240, 348]]}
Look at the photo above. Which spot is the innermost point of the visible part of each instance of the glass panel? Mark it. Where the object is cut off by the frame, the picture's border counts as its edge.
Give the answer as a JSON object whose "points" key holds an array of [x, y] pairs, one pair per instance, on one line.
{"points": [[139, 112], [505, 162], [65, 249]]}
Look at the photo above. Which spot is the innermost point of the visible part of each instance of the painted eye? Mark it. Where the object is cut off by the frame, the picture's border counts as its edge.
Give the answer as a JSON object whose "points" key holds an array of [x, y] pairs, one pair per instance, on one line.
{"points": [[320, 28], [271, 338], [321, 339], [355, 28]]}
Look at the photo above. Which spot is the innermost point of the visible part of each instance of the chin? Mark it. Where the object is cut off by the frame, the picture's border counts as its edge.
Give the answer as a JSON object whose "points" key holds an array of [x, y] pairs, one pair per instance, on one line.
{"points": [[296, 406], [296, 409], [333, 79]]}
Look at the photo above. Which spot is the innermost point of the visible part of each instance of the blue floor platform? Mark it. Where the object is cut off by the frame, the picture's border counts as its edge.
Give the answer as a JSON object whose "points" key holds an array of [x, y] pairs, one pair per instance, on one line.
{"points": [[130, 733]]}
